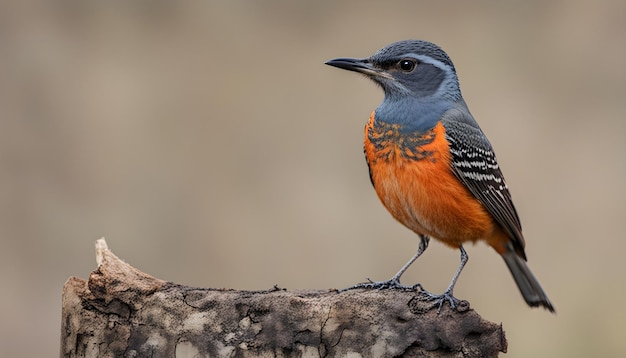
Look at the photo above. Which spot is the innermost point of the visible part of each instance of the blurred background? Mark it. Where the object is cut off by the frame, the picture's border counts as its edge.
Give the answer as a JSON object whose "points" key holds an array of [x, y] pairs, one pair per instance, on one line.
{"points": [[211, 146]]}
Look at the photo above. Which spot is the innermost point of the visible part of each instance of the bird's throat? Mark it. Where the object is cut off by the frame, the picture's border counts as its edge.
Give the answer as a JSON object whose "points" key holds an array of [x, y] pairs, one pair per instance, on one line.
{"points": [[411, 114]]}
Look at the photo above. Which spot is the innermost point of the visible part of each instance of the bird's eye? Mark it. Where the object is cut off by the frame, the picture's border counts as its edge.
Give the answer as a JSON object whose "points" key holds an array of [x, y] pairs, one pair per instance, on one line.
{"points": [[407, 65]]}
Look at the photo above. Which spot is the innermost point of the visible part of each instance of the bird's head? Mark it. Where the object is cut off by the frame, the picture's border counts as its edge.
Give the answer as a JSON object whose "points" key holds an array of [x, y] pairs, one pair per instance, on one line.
{"points": [[410, 68], [419, 81]]}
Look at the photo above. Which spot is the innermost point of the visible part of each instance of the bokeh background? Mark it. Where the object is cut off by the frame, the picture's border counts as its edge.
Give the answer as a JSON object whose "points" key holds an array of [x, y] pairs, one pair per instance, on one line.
{"points": [[211, 146]]}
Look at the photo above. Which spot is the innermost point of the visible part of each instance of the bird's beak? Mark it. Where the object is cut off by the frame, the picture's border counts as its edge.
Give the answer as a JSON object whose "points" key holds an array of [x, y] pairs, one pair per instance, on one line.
{"points": [[361, 65]]}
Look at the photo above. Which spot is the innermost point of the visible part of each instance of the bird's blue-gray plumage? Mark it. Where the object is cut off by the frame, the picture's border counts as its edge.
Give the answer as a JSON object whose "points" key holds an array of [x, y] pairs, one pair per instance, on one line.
{"points": [[417, 99]]}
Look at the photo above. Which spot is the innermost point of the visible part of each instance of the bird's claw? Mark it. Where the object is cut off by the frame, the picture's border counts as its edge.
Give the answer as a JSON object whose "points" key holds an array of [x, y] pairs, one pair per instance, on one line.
{"points": [[393, 284], [439, 300]]}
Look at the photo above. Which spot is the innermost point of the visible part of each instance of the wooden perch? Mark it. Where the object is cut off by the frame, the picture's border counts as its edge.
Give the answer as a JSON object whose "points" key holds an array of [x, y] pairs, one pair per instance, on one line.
{"points": [[123, 312]]}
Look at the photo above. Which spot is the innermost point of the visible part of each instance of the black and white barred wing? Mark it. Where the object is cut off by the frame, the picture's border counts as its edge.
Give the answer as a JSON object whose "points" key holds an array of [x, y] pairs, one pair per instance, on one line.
{"points": [[475, 164]]}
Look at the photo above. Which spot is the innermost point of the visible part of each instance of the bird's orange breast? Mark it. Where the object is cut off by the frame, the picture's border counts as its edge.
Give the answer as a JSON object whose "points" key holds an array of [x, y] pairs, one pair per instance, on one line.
{"points": [[412, 175]]}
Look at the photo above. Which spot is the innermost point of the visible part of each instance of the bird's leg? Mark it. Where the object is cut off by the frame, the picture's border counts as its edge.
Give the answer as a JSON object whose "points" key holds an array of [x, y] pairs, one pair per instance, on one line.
{"points": [[447, 295], [394, 282], [424, 240]]}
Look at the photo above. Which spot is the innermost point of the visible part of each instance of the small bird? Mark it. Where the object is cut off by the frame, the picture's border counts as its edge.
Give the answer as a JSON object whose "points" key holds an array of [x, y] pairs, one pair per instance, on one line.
{"points": [[432, 166]]}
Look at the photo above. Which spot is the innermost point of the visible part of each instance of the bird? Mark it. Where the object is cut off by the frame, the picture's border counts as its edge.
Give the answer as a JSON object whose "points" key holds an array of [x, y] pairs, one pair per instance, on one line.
{"points": [[434, 169]]}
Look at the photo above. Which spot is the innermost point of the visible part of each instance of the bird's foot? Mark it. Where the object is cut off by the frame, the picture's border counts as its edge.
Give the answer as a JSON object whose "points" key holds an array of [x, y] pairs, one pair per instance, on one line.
{"points": [[393, 284], [439, 300]]}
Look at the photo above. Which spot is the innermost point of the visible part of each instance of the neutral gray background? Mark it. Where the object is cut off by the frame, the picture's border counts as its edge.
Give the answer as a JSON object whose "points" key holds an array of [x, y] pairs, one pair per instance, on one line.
{"points": [[212, 147]]}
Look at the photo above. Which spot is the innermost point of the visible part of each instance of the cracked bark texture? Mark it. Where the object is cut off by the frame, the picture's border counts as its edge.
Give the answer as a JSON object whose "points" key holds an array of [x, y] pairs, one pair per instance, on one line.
{"points": [[123, 312]]}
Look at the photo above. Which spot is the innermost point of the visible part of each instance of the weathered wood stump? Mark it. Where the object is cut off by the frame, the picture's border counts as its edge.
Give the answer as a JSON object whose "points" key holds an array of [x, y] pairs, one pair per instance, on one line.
{"points": [[123, 312]]}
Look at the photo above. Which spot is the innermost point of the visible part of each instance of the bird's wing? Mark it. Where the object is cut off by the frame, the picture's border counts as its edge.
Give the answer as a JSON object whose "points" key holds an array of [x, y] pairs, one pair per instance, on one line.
{"points": [[475, 164]]}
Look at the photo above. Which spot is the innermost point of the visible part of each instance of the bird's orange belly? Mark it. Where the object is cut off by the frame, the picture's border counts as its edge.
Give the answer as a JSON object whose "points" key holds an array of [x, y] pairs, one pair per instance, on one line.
{"points": [[413, 179]]}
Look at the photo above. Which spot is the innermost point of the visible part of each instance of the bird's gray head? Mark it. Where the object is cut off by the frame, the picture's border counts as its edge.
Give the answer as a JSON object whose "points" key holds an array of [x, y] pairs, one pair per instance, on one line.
{"points": [[417, 76]]}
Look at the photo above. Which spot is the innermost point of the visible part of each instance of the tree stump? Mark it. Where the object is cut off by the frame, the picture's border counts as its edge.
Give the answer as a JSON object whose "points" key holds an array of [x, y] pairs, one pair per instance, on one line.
{"points": [[123, 312]]}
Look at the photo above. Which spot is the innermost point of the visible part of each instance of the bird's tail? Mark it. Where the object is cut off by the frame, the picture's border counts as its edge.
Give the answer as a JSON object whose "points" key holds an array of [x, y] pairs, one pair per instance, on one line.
{"points": [[526, 281]]}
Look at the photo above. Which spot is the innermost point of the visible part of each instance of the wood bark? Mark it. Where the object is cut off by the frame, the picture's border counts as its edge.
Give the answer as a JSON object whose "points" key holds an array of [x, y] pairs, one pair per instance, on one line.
{"points": [[123, 312]]}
